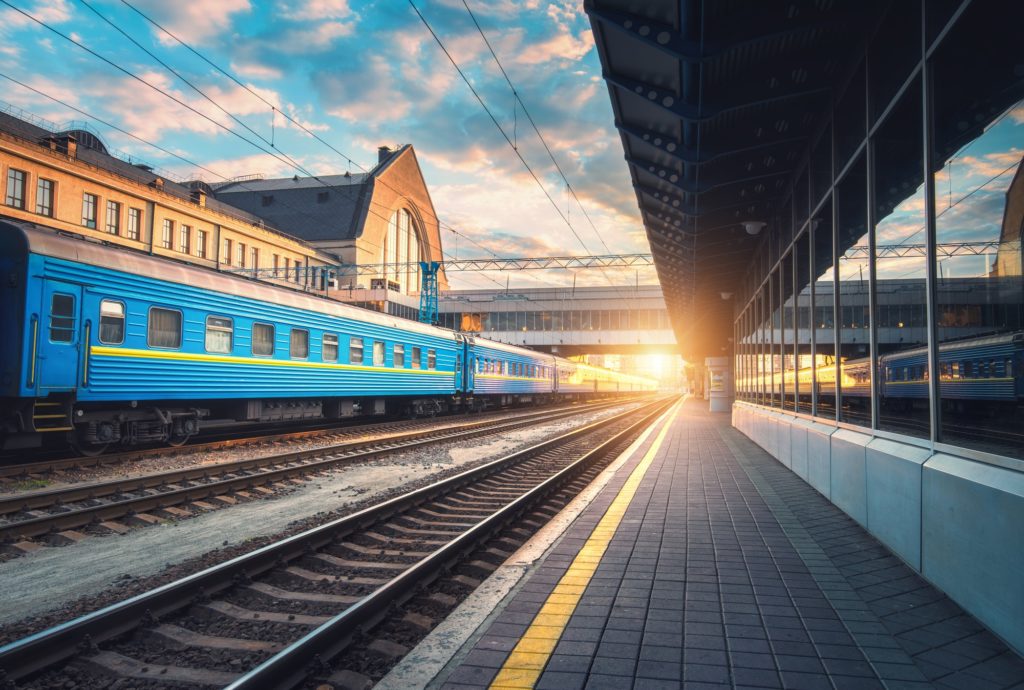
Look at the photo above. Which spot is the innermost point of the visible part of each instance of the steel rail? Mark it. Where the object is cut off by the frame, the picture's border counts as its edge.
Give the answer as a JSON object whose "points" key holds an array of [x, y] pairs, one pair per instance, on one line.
{"points": [[335, 455], [290, 666], [8, 471], [51, 646]]}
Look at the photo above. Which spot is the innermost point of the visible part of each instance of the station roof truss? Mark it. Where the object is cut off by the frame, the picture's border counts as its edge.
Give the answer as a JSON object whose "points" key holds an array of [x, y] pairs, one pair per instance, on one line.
{"points": [[716, 104]]}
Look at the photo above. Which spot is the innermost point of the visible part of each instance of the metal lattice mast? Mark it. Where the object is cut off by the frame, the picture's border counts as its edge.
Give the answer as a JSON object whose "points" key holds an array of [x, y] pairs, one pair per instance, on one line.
{"points": [[428, 291]]}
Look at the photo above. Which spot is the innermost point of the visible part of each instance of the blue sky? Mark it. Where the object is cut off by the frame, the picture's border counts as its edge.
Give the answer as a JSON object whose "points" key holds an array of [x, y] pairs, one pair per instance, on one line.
{"points": [[361, 74]]}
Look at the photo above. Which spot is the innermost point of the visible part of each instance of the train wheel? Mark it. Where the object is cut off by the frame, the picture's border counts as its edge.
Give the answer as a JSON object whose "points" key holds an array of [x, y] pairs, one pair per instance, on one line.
{"points": [[178, 440], [88, 450]]}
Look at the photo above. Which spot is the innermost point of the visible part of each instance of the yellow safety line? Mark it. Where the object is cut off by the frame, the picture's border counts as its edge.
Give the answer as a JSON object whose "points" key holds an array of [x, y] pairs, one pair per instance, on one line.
{"points": [[525, 663]]}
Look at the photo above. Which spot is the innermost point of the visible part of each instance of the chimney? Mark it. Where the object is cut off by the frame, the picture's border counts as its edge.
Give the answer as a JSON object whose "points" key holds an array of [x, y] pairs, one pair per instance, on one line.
{"points": [[158, 183], [70, 145], [199, 197], [382, 153]]}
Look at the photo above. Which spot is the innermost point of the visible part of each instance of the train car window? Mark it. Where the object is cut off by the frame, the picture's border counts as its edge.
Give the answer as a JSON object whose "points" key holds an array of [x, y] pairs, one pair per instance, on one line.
{"points": [[164, 328], [398, 355], [1009, 368], [415, 363], [378, 353], [111, 322], [263, 339], [431, 359], [355, 351], [330, 349], [62, 318], [298, 347], [219, 334]]}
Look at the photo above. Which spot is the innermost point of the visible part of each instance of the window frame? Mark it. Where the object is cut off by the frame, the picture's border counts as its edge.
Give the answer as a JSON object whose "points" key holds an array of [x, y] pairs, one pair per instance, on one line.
{"points": [[201, 240], [431, 359], [323, 346], [230, 329], [382, 350], [124, 321], [90, 202], [167, 234], [185, 238], [273, 339], [398, 355], [73, 317], [13, 182], [415, 358], [134, 233], [50, 196], [353, 349], [291, 343], [115, 227], [149, 328]]}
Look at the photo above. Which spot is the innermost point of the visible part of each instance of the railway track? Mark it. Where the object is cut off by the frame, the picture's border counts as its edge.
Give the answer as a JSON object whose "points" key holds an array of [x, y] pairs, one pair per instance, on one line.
{"points": [[34, 514], [15, 470], [275, 616]]}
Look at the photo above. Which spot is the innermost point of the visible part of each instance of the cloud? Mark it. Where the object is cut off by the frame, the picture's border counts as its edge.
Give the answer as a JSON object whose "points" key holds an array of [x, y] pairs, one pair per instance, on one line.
{"points": [[196, 22], [314, 10], [46, 11], [313, 39], [254, 70]]}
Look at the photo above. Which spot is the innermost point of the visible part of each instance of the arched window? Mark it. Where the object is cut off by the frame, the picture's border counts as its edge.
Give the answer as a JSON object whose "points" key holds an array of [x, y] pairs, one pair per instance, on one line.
{"points": [[402, 247]]}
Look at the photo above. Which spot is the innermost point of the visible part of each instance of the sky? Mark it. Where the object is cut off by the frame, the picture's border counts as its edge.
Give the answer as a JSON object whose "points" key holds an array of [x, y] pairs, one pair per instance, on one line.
{"points": [[361, 74]]}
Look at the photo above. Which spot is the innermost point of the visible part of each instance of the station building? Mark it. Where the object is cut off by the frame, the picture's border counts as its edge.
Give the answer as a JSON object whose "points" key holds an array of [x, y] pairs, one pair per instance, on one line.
{"points": [[832, 192]]}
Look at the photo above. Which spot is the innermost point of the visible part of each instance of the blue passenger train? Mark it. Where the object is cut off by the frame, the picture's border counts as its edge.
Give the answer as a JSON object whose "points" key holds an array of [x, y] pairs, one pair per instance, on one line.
{"points": [[105, 346]]}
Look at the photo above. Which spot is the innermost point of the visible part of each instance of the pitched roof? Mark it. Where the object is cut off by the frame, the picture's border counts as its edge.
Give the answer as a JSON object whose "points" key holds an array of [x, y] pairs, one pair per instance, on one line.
{"points": [[325, 207]]}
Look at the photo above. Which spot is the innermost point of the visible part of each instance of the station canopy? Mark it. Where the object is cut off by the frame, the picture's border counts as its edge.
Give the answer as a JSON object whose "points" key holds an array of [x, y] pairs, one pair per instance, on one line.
{"points": [[716, 104]]}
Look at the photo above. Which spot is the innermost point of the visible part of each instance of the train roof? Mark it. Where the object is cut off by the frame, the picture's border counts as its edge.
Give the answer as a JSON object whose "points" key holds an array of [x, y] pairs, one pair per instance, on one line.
{"points": [[47, 242], [513, 349]]}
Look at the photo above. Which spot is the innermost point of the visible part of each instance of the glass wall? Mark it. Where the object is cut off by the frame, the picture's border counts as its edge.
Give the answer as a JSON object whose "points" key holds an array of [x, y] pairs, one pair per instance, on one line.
{"points": [[979, 217], [911, 241], [900, 268], [824, 314], [854, 317]]}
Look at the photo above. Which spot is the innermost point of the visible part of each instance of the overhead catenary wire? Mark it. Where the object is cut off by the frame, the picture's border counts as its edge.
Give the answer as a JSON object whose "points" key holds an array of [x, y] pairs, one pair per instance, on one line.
{"points": [[276, 153], [518, 100]]}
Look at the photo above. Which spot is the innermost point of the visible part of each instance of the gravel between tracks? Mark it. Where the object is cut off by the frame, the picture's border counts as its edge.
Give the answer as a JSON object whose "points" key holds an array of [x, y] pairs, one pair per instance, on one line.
{"points": [[56, 584]]}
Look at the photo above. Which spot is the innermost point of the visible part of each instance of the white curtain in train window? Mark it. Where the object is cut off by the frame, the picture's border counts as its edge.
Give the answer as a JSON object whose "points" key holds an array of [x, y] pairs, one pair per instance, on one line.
{"points": [[262, 339], [164, 328], [218, 334]]}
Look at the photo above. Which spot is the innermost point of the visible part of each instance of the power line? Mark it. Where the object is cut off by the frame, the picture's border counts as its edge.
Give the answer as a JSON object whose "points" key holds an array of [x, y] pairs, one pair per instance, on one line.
{"points": [[519, 100], [279, 156]]}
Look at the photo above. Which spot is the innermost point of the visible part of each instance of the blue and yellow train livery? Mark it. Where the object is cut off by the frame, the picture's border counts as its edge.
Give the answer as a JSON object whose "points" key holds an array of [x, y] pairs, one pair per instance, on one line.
{"points": [[107, 346]]}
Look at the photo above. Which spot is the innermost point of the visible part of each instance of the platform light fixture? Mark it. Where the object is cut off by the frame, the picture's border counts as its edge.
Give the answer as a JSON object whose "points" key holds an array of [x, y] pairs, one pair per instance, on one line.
{"points": [[753, 227]]}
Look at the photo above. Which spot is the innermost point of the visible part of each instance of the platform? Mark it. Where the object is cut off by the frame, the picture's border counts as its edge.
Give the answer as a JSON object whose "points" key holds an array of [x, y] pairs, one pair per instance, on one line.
{"points": [[704, 562]]}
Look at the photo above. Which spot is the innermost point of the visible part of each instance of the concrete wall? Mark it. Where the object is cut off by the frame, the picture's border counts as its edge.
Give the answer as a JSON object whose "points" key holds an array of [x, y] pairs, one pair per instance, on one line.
{"points": [[956, 521]]}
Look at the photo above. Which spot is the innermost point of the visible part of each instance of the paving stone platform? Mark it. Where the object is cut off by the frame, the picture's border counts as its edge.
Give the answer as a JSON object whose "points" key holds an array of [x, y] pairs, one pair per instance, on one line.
{"points": [[727, 570]]}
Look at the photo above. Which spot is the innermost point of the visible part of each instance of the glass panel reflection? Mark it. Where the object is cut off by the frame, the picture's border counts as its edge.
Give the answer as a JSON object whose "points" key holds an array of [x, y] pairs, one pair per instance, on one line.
{"points": [[853, 318]]}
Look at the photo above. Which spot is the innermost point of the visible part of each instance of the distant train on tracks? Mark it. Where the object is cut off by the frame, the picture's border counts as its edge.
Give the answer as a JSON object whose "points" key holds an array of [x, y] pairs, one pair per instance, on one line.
{"points": [[979, 370], [106, 347]]}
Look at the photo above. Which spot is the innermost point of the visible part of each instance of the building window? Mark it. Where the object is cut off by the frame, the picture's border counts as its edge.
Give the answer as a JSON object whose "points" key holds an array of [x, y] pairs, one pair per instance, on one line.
{"points": [[330, 350], [399, 355], [185, 239], [298, 271], [167, 236], [263, 339], [111, 322], [241, 255], [254, 259], [415, 359], [134, 223], [355, 351], [15, 188], [164, 328], [219, 334], [201, 243], [267, 199], [227, 252], [44, 197], [277, 262], [378, 353], [89, 202], [113, 217], [299, 344], [431, 359]]}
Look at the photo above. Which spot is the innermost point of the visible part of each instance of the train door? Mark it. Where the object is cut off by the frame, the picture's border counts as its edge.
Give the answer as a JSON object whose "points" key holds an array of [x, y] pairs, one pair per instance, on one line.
{"points": [[60, 340]]}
